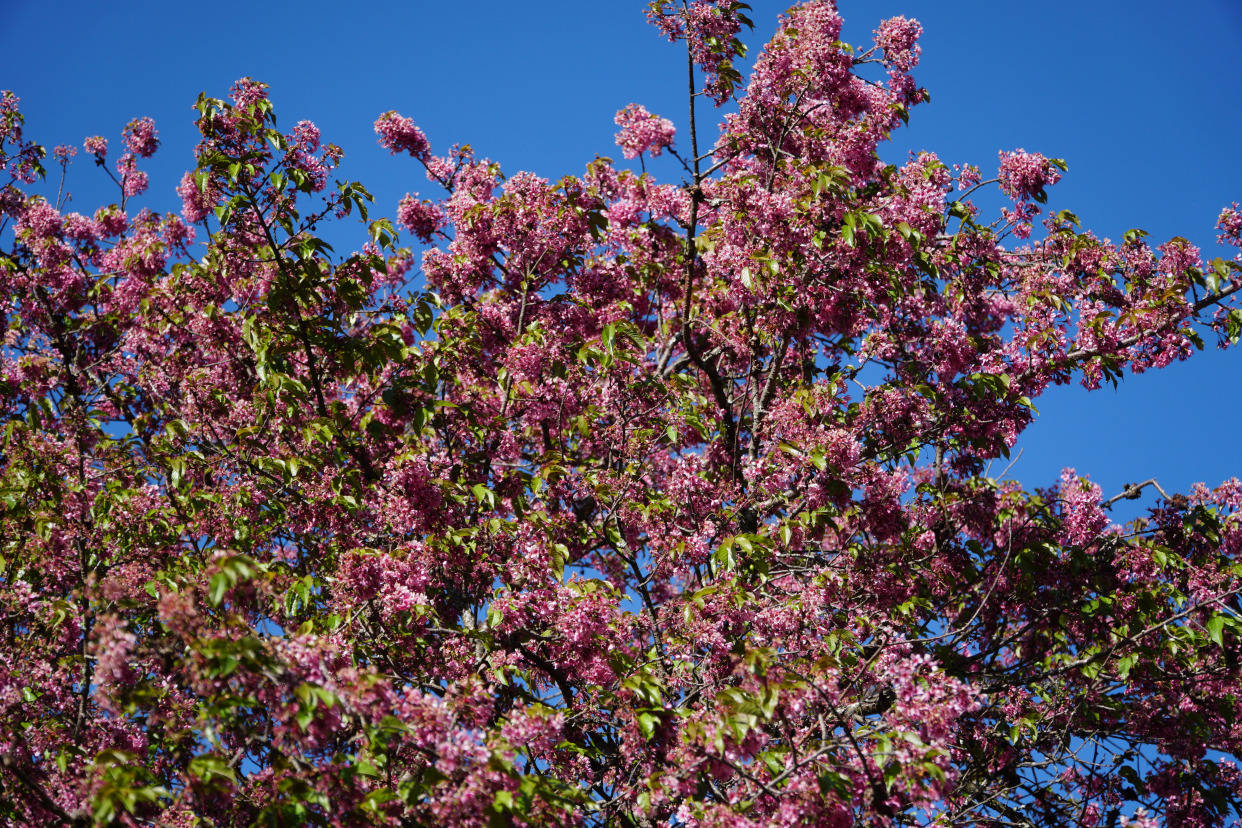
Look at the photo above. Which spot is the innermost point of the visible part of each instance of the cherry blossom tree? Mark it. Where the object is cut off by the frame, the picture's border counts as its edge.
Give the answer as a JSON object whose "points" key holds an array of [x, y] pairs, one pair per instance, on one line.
{"points": [[604, 501]]}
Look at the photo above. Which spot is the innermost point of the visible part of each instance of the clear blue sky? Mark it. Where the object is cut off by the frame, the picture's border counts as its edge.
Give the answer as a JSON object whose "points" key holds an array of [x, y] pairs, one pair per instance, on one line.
{"points": [[1141, 98]]}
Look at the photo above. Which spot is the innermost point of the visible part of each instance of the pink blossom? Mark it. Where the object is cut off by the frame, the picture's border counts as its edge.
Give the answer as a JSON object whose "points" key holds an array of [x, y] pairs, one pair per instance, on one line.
{"points": [[642, 132], [710, 27], [1024, 174], [898, 37], [399, 134], [316, 171], [136, 183], [96, 145], [422, 218], [81, 229], [41, 220], [1230, 226], [113, 220], [1083, 518], [113, 668], [246, 92], [306, 136], [195, 203], [1141, 819], [440, 169], [9, 107], [133, 181], [968, 175], [625, 213], [1178, 256], [141, 137]]}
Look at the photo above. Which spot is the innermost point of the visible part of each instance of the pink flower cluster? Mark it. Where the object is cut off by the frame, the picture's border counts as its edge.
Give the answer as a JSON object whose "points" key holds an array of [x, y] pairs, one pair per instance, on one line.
{"points": [[141, 137], [1230, 226], [80, 229], [96, 145], [898, 37], [710, 27], [1024, 174], [246, 92], [113, 647], [133, 180], [968, 176], [304, 141], [399, 134], [422, 218], [642, 131], [195, 203], [41, 220], [1083, 519], [306, 136]]}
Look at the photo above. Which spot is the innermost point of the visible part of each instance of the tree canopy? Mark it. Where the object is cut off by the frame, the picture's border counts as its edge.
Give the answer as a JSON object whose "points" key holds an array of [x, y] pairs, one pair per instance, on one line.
{"points": [[603, 501]]}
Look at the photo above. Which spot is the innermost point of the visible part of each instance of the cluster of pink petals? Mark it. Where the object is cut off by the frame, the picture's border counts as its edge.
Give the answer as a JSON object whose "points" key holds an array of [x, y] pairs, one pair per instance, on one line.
{"points": [[1024, 174], [246, 92], [96, 145], [710, 27], [1082, 515], [41, 220], [9, 107], [195, 203], [420, 217], [133, 180], [898, 37], [141, 137], [399, 134], [1230, 226], [301, 154], [968, 175], [642, 131], [306, 136], [80, 229]]}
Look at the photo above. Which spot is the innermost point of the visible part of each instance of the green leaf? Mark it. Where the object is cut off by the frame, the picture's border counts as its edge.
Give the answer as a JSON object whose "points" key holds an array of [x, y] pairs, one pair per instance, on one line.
{"points": [[1215, 629], [219, 585], [232, 570], [209, 768], [833, 783], [176, 472], [648, 721], [484, 495]]}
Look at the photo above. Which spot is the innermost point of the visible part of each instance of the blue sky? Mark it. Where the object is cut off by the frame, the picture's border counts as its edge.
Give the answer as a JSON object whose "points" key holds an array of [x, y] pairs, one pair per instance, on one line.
{"points": [[1141, 98]]}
